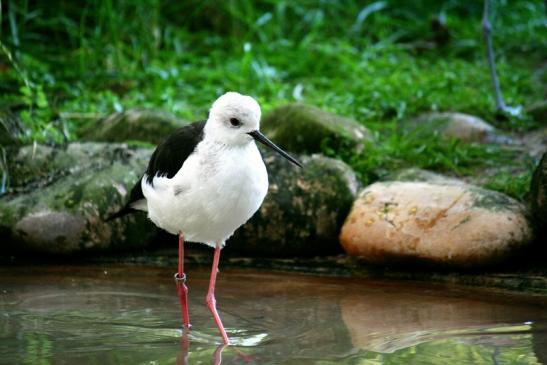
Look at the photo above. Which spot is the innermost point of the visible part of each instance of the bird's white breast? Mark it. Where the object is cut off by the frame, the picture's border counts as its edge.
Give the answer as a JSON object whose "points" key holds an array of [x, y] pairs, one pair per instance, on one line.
{"points": [[216, 190]]}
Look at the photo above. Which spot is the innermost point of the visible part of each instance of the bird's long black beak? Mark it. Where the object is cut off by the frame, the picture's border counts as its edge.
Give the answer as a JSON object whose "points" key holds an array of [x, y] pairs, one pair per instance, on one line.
{"points": [[262, 139]]}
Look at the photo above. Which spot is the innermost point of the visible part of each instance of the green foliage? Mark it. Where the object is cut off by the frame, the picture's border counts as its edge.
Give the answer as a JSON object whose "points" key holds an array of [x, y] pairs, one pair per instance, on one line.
{"points": [[379, 62], [515, 185], [38, 116], [394, 150]]}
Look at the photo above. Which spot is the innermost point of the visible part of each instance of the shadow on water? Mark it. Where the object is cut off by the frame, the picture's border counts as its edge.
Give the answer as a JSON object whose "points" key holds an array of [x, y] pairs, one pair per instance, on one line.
{"points": [[126, 314]]}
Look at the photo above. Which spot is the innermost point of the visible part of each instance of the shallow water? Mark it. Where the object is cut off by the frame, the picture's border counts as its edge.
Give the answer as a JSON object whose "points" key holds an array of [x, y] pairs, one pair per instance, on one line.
{"points": [[117, 314]]}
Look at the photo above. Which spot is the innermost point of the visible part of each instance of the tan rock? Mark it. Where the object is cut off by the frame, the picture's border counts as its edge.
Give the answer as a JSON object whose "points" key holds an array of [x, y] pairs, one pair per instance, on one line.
{"points": [[466, 127], [450, 224], [461, 126]]}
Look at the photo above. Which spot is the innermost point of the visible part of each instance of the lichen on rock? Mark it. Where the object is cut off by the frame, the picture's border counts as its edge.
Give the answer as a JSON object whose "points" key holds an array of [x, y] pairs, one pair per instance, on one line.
{"points": [[65, 213]]}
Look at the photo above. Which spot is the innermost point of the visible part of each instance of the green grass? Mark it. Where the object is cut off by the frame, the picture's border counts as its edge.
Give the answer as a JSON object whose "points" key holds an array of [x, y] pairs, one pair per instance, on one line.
{"points": [[368, 62]]}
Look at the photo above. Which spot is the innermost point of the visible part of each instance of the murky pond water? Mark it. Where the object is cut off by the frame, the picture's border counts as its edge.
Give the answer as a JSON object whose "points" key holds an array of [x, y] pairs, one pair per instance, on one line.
{"points": [[117, 314]]}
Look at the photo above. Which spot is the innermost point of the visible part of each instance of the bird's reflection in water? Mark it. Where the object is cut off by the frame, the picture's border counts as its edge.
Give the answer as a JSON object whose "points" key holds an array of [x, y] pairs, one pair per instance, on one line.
{"points": [[217, 355], [182, 357]]}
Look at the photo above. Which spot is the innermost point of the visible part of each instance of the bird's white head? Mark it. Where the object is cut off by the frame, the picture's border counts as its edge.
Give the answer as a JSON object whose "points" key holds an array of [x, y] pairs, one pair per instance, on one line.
{"points": [[234, 120], [231, 118]]}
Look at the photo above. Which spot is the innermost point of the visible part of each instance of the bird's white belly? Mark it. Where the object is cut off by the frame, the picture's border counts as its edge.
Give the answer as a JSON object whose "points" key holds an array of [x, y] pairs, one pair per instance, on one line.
{"points": [[214, 192]]}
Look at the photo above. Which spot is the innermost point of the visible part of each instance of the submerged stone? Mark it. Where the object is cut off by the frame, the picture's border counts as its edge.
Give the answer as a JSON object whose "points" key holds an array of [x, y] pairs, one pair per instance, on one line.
{"points": [[441, 223], [133, 125], [303, 211], [64, 211], [303, 129]]}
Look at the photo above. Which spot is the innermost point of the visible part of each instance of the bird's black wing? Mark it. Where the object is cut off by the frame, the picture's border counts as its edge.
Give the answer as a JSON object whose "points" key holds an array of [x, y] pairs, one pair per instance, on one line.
{"points": [[166, 160], [169, 156]]}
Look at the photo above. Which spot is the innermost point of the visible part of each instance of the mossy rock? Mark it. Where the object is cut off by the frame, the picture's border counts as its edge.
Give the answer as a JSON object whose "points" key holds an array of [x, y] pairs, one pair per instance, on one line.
{"points": [[303, 211], [538, 197], [132, 125], [303, 129], [65, 214]]}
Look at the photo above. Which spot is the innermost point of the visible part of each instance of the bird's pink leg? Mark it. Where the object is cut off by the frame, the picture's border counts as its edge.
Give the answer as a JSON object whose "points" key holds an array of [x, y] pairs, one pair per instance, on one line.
{"points": [[180, 279], [211, 301]]}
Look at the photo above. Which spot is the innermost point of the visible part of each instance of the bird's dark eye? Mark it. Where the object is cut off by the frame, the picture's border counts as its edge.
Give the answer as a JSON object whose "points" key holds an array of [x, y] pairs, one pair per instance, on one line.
{"points": [[235, 122]]}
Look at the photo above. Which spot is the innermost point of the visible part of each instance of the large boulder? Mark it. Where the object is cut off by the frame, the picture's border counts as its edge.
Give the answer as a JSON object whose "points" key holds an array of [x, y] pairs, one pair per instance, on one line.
{"points": [[303, 128], [303, 211], [441, 223], [132, 125], [538, 197], [61, 208], [464, 127]]}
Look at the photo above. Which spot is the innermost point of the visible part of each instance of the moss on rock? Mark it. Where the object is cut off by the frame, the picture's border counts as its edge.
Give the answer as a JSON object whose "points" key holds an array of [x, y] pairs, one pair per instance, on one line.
{"points": [[36, 165], [65, 214]]}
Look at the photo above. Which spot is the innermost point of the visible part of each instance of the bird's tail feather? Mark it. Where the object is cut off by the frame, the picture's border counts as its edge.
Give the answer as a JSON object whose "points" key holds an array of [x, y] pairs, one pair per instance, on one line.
{"points": [[136, 199]]}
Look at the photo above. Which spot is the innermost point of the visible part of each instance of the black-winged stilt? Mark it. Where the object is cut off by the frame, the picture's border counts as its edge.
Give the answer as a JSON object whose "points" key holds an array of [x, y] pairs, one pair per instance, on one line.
{"points": [[204, 181]]}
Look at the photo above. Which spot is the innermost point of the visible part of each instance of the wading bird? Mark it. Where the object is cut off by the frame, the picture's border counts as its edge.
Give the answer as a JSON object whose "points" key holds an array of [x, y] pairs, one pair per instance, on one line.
{"points": [[204, 181]]}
